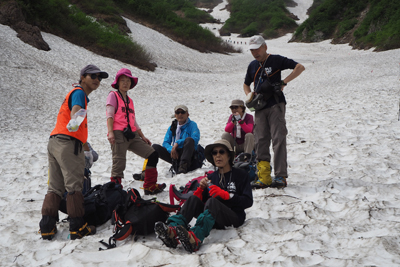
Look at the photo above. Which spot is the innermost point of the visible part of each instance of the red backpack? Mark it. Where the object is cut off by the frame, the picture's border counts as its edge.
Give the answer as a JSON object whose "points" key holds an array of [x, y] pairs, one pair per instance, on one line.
{"points": [[185, 192]]}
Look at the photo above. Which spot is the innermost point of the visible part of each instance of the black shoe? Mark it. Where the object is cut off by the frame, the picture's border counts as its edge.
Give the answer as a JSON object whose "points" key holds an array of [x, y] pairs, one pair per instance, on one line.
{"points": [[258, 185], [188, 239], [183, 167], [138, 176], [49, 235], [167, 234], [154, 189], [83, 231], [48, 228], [279, 182]]}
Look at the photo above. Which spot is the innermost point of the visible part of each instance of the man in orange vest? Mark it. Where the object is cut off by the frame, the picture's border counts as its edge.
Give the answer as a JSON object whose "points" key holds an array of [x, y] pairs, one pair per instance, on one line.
{"points": [[67, 148]]}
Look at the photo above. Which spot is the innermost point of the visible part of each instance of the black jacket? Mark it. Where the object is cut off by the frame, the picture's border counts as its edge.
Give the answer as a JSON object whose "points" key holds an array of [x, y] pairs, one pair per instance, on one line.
{"points": [[236, 182]]}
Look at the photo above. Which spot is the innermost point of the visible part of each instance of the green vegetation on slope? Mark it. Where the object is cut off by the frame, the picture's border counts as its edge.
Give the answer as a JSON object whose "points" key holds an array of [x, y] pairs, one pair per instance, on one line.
{"points": [[98, 26], [250, 17], [379, 27]]}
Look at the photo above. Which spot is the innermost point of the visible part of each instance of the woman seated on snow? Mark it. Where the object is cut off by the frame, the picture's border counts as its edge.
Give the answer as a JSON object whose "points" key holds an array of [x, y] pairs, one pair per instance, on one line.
{"points": [[239, 128], [219, 201]]}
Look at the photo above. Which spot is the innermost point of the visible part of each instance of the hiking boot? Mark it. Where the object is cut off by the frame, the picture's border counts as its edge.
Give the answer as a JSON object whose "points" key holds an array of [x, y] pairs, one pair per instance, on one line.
{"points": [[48, 228], [279, 182], [167, 234], [138, 176], [154, 189], [258, 185], [264, 173], [188, 239], [83, 231], [183, 167]]}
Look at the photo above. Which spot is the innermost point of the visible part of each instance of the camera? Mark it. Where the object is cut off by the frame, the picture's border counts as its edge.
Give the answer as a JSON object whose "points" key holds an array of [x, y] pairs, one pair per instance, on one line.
{"points": [[128, 133], [277, 89]]}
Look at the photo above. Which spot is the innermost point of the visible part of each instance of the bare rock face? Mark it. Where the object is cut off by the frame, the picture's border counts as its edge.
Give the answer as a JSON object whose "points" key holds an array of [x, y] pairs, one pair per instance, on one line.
{"points": [[11, 15]]}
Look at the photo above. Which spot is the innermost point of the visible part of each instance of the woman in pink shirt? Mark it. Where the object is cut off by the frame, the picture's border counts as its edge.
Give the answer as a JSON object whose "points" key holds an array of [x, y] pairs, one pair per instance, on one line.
{"points": [[125, 134], [239, 128]]}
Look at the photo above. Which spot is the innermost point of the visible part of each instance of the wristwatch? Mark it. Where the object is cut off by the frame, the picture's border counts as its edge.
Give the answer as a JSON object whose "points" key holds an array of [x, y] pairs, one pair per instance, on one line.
{"points": [[283, 83]]}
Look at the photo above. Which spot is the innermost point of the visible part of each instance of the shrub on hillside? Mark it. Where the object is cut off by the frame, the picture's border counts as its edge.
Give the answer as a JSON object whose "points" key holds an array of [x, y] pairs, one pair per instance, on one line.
{"points": [[258, 16]]}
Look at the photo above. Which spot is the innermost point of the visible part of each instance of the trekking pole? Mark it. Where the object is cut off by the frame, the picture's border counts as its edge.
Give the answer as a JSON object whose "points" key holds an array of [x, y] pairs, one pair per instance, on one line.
{"points": [[234, 139], [398, 117]]}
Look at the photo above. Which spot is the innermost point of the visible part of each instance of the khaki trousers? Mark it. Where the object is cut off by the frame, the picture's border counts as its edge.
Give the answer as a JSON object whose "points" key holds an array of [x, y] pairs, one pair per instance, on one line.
{"points": [[121, 146], [246, 147], [66, 170]]}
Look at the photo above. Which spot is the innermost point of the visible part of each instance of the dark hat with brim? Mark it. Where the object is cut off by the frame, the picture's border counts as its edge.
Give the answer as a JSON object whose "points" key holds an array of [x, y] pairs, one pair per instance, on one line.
{"points": [[224, 143], [89, 69]]}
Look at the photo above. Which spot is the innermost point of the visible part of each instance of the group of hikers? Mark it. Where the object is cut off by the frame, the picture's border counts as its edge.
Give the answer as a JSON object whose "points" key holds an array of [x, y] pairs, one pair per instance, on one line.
{"points": [[222, 197]]}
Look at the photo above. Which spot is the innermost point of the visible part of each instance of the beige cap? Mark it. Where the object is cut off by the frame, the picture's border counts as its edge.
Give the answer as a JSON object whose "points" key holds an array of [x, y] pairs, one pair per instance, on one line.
{"points": [[183, 107]]}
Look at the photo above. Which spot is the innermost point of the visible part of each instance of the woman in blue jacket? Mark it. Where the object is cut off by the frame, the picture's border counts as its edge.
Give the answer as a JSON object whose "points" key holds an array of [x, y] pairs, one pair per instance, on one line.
{"points": [[219, 201]]}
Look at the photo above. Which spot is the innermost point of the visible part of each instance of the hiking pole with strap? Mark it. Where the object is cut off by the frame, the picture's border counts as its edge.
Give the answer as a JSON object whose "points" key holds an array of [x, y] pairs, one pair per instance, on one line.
{"points": [[234, 137]]}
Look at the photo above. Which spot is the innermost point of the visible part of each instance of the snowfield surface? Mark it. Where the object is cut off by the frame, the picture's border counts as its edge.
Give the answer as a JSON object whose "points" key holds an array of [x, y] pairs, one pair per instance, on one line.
{"points": [[341, 206]]}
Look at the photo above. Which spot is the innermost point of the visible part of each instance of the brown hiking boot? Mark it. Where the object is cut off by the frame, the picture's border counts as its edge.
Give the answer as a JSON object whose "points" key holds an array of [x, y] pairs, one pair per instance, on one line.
{"points": [[188, 239], [83, 231], [167, 234], [154, 189]]}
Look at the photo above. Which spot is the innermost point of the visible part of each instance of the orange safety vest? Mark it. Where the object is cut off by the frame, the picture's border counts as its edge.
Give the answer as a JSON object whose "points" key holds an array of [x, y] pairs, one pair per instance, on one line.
{"points": [[63, 118]]}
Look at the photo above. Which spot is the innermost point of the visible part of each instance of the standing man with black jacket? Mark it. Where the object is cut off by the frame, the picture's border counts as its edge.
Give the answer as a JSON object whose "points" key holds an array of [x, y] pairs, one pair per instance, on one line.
{"points": [[270, 124]]}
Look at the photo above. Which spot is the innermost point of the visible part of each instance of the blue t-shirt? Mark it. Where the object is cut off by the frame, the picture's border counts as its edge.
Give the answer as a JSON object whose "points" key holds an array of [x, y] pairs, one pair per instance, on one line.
{"points": [[78, 98], [271, 70]]}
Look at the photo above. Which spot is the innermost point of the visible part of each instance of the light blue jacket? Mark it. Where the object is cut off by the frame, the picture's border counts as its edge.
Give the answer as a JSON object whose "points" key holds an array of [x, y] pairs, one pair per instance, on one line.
{"points": [[190, 129]]}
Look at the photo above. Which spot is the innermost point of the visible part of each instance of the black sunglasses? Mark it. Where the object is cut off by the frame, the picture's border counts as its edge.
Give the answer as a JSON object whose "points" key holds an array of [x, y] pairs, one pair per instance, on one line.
{"points": [[180, 112], [234, 107], [94, 76], [215, 152]]}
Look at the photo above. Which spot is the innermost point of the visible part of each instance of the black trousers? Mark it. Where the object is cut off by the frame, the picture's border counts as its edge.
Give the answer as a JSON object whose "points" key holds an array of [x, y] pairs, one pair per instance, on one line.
{"points": [[222, 214], [186, 153]]}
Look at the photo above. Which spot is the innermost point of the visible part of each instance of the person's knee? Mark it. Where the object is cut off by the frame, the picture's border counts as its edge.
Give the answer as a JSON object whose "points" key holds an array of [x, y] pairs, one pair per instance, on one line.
{"points": [[249, 136], [211, 203], [189, 141]]}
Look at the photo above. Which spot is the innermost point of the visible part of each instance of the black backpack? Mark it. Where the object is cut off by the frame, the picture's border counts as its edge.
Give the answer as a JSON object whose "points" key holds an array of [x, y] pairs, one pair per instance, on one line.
{"points": [[138, 216], [199, 158], [101, 200]]}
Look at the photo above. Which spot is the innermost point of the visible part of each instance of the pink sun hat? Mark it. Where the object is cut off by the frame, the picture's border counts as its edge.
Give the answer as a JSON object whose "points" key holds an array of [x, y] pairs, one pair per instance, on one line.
{"points": [[127, 73]]}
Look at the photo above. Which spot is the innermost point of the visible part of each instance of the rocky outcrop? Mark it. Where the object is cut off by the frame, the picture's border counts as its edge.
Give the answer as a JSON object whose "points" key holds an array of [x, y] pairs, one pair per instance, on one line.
{"points": [[11, 15]]}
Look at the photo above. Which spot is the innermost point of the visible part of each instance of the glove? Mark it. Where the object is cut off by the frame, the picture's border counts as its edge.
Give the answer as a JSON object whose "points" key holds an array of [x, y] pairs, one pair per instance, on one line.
{"points": [[199, 193], [88, 159], [216, 191], [73, 125]]}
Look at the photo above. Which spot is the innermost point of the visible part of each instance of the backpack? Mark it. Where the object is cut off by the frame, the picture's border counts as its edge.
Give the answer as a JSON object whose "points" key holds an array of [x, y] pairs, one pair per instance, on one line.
{"points": [[185, 192], [199, 157], [248, 163], [100, 202], [138, 216]]}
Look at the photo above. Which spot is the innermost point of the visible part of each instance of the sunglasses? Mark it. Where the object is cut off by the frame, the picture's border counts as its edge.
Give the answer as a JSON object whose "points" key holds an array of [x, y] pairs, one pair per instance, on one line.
{"points": [[215, 152], [234, 107], [180, 112], [94, 76]]}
